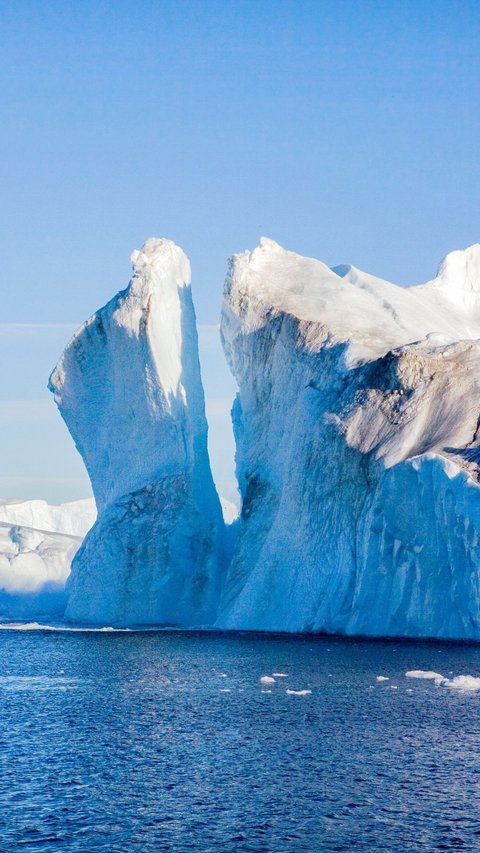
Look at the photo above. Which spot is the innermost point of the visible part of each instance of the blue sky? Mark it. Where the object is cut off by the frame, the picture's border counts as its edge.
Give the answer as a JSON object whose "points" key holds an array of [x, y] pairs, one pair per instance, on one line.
{"points": [[344, 130]]}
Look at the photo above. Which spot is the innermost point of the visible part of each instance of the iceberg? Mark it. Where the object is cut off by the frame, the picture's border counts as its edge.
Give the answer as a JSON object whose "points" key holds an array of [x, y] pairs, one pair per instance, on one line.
{"points": [[37, 544], [357, 427], [128, 386]]}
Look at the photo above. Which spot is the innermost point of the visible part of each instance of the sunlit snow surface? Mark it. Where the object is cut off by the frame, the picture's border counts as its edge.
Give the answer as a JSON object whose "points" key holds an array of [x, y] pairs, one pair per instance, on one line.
{"points": [[148, 742], [357, 448]]}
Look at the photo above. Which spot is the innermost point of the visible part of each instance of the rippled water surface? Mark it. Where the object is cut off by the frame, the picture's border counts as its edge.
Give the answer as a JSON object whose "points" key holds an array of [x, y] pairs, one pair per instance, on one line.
{"points": [[170, 742]]}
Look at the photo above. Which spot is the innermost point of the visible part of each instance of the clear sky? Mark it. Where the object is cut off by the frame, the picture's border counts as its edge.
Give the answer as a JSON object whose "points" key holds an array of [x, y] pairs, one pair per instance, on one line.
{"points": [[344, 130]]}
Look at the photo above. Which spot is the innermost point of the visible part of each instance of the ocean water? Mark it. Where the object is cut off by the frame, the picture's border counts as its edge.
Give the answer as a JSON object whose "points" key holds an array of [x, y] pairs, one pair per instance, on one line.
{"points": [[166, 741]]}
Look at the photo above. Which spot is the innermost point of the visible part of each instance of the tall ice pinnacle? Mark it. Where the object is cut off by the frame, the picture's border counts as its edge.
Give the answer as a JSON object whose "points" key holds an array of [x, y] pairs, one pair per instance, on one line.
{"points": [[129, 389]]}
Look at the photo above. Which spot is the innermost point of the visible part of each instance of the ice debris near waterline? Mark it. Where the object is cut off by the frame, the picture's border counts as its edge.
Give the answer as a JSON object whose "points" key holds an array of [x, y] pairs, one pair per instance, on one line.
{"points": [[466, 683], [357, 431], [129, 389]]}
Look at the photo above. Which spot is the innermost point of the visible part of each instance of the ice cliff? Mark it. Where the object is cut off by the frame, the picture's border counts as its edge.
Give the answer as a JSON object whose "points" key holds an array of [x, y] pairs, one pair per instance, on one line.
{"points": [[358, 447], [129, 389]]}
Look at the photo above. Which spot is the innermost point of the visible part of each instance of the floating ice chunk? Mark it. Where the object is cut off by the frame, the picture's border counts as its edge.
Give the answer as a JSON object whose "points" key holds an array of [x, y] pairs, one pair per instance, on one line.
{"points": [[383, 678], [462, 682], [225, 690], [267, 679], [298, 692], [425, 673], [280, 675], [393, 687]]}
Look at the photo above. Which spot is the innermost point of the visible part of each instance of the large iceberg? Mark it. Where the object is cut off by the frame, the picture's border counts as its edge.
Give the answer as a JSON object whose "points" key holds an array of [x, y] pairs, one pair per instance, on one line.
{"points": [[129, 389], [358, 429]]}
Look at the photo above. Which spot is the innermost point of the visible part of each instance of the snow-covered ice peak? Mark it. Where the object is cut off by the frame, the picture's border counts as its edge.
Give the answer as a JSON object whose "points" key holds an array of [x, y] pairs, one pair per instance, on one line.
{"points": [[129, 389], [368, 314], [459, 276], [162, 260]]}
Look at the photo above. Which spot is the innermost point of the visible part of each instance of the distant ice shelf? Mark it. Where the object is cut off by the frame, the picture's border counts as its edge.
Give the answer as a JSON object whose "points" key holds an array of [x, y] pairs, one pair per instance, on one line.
{"points": [[37, 544]]}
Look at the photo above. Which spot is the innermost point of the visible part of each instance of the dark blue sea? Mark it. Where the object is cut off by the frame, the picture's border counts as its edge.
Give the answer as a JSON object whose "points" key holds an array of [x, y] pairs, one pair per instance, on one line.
{"points": [[168, 741]]}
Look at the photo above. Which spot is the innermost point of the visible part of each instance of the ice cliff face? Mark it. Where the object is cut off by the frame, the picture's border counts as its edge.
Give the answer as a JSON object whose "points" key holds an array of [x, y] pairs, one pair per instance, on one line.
{"points": [[358, 446], [129, 389]]}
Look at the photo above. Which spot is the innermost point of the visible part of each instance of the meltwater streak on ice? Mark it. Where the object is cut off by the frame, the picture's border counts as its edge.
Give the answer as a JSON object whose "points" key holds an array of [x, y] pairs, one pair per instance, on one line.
{"points": [[357, 448], [129, 388]]}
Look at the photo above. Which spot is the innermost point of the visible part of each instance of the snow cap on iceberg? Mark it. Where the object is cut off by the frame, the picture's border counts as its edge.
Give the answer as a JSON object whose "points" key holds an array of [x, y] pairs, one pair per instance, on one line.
{"points": [[368, 314]]}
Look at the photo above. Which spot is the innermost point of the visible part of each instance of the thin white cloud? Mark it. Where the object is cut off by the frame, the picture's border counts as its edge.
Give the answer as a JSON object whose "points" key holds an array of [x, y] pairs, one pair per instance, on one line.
{"points": [[38, 325], [204, 327]]}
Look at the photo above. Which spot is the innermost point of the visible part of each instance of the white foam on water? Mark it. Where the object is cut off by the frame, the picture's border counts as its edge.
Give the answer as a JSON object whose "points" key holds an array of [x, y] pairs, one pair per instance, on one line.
{"points": [[298, 692], [36, 682], [37, 626]]}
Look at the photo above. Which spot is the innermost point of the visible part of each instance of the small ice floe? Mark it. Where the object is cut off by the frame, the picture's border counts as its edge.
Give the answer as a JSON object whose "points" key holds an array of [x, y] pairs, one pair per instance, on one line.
{"points": [[280, 674], [265, 691], [462, 682], [267, 679], [467, 683], [393, 687], [382, 678], [426, 674], [298, 692], [222, 675], [225, 690]]}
